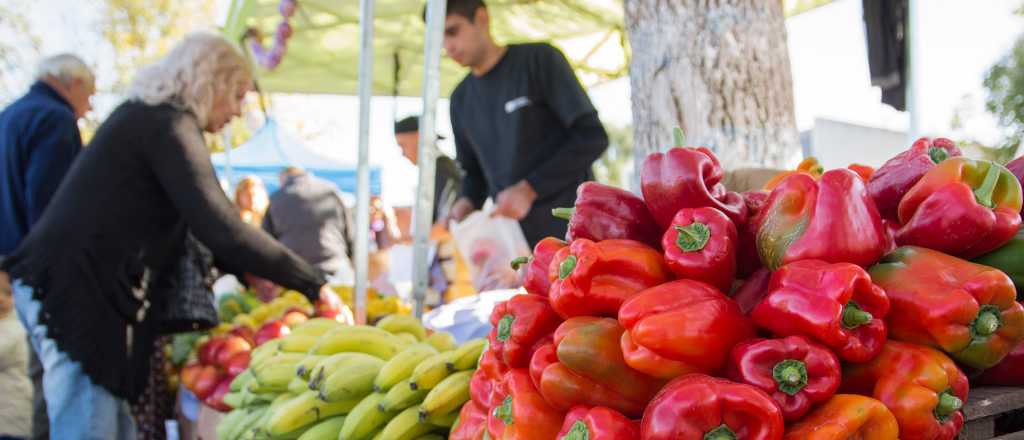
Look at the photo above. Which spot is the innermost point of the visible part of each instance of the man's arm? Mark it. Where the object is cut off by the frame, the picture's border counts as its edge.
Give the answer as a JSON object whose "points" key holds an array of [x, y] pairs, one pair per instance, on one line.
{"points": [[562, 92], [53, 148]]}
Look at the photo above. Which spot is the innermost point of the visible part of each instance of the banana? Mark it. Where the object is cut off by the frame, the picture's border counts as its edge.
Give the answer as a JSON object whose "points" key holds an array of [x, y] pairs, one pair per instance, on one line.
{"points": [[304, 410], [298, 343], [264, 352], [432, 371], [383, 344], [406, 426], [250, 399], [316, 327], [468, 355], [246, 422], [275, 359], [365, 418], [431, 437], [325, 430], [401, 366], [297, 385], [395, 323], [407, 338], [402, 396], [442, 341], [329, 364], [275, 373], [353, 381], [443, 420], [306, 365], [233, 399], [447, 396], [238, 383], [229, 423]]}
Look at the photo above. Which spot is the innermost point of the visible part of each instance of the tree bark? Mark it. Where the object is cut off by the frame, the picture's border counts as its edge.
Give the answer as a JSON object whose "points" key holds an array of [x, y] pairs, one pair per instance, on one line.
{"points": [[719, 69]]}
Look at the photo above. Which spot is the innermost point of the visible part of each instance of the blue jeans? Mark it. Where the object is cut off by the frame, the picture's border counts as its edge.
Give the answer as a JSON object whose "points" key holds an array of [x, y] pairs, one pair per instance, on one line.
{"points": [[78, 408]]}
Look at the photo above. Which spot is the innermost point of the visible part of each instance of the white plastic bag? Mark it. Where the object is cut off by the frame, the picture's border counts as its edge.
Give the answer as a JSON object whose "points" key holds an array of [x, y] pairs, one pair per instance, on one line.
{"points": [[488, 245]]}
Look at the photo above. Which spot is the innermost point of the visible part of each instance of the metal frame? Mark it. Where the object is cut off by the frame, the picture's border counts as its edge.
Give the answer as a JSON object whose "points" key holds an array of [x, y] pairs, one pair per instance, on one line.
{"points": [[361, 254]]}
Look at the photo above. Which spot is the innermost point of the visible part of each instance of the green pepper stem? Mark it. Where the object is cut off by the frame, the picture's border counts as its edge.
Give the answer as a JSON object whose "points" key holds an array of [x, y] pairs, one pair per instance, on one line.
{"points": [[566, 267], [854, 316], [937, 154], [987, 321], [948, 404], [790, 376], [505, 327], [722, 432], [519, 262], [678, 137], [563, 213], [693, 237], [504, 411], [984, 192], [578, 431]]}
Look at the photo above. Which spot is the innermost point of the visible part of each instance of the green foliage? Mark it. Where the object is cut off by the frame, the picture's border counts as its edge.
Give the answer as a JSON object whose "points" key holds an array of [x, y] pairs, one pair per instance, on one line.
{"points": [[611, 167], [1005, 84]]}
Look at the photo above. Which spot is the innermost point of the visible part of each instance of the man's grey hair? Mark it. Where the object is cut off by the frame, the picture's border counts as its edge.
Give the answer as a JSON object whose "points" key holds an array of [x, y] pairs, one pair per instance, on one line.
{"points": [[64, 68]]}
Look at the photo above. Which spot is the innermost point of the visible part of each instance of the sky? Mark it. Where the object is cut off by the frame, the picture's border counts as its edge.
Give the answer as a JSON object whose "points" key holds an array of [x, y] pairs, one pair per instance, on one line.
{"points": [[959, 40]]}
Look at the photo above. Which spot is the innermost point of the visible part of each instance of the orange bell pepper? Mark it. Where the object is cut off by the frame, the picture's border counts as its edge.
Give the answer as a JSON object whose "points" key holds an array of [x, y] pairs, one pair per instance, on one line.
{"points": [[808, 166], [847, 416]]}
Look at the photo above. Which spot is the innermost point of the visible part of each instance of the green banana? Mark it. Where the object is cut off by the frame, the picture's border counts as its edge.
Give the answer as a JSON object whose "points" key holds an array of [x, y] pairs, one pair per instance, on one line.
{"points": [[275, 373], [353, 381], [395, 323], [297, 385], [329, 364], [306, 365], [442, 341], [365, 419], [233, 399], [325, 430], [304, 410], [229, 423], [238, 383], [432, 371], [406, 426], [401, 366], [468, 355], [264, 352], [447, 396], [443, 420], [246, 422], [402, 396]]}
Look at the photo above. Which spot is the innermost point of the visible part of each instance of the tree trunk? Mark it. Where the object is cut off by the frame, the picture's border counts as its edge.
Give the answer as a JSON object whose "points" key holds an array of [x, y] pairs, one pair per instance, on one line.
{"points": [[719, 69]]}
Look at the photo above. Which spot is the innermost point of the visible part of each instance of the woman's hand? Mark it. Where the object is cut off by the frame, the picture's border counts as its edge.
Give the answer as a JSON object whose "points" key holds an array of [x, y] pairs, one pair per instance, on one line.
{"points": [[330, 306]]}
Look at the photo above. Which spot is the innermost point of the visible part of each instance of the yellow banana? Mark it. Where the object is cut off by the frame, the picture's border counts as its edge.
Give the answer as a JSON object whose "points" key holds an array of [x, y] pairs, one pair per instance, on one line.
{"points": [[443, 420], [365, 419], [403, 323], [402, 396], [432, 371], [238, 383], [325, 430], [298, 343], [275, 373], [377, 343], [431, 437], [401, 366], [304, 410], [468, 355], [329, 364], [442, 341], [316, 327], [306, 365], [406, 426], [250, 398], [264, 352], [297, 385], [407, 338], [447, 396], [353, 381]]}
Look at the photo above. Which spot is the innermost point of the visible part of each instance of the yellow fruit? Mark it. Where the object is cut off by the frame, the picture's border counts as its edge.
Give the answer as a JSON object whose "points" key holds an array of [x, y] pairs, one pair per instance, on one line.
{"points": [[468, 355], [448, 396], [442, 341], [403, 323]]}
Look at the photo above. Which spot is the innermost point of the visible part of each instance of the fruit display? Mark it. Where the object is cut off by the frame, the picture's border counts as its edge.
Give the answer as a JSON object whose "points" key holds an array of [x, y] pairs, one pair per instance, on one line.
{"points": [[328, 380], [833, 304]]}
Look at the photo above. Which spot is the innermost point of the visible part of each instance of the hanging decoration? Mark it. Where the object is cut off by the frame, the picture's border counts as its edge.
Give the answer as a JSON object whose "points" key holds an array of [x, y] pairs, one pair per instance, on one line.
{"points": [[270, 58]]}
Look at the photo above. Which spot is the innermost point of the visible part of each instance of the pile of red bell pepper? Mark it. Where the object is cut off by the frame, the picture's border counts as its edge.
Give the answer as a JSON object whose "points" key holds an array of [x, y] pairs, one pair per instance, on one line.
{"points": [[833, 304]]}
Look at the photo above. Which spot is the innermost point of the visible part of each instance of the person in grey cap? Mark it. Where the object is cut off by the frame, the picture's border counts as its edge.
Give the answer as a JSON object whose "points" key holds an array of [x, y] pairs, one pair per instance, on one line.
{"points": [[447, 175]]}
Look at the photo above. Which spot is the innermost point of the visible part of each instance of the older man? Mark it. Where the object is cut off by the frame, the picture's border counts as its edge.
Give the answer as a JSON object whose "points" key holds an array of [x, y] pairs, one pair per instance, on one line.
{"points": [[39, 140]]}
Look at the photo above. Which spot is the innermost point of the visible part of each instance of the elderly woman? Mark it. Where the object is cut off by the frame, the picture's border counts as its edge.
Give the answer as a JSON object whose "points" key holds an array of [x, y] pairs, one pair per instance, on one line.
{"points": [[81, 275], [252, 200]]}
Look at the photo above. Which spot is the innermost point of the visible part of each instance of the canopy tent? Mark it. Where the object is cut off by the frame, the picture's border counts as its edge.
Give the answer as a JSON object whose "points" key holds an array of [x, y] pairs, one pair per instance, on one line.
{"points": [[271, 149]]}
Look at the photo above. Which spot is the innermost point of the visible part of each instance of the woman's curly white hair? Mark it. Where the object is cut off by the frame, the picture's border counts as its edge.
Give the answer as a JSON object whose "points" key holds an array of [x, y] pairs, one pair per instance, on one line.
{"points": [[198, 70]]}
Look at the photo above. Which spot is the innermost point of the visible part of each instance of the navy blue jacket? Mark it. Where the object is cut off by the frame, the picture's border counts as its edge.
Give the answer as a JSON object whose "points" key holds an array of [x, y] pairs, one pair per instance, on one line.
{"points": [[39, 140]]}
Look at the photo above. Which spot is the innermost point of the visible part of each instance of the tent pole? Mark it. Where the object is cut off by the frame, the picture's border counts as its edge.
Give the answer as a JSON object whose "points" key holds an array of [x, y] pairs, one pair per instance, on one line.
{"points": [[361, 253], [427, 150]]}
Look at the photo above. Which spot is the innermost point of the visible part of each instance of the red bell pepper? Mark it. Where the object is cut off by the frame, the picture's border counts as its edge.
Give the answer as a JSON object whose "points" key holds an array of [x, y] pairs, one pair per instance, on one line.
{"points": [[831, 220], [865, 172], [700, 244], [535, 276], [604, 212], [834, 304], [485, 385], [747, 259], [681, 327], [523, 414], [809, 166], [594, 278], [964, 309], [921, 386], [752, 291], [599, 423], [471, 424], [584, 366], [962, 207], [1008, 372], [794, 371], [687, 178], [847, 416], [518, 325], [891, 182], [1016, 167], [696, 406]]}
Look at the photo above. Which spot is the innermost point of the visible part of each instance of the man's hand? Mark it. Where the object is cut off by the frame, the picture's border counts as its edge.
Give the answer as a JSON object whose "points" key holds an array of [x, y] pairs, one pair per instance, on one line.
{"points": [[330, 306], [515, 201], [460, 209]]}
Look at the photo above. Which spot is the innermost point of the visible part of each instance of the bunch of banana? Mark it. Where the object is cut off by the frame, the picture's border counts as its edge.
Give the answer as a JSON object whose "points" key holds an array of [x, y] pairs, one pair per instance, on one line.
{"points": [[447, 397], [359, 338], [273, 374], [365, 419], [406, 426], [303, 411], [398, 324], [401, 366], [352, 380], [436, 368], [331, 364]]}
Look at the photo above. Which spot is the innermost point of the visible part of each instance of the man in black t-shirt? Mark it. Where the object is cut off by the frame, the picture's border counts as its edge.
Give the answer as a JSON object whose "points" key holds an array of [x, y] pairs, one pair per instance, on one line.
{"points": [[525, 131], [447, 176]]}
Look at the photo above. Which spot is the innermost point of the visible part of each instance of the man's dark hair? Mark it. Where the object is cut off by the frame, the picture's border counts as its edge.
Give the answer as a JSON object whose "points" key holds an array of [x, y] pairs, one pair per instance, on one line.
{"points": [[465, 8]]}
